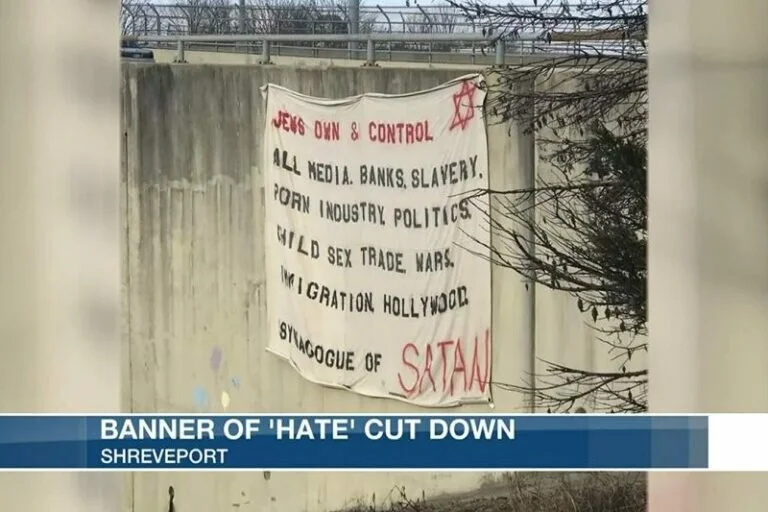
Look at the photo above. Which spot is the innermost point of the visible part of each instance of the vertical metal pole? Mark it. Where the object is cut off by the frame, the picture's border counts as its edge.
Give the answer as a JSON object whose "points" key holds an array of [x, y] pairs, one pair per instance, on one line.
{"points": [[265, 54], [180, 51], [500, 43], [243, 46], [353, 12], [241, 17], [371, 54]]}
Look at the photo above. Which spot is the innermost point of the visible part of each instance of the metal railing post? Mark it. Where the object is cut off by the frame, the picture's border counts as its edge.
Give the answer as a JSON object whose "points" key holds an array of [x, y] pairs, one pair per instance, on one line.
{"points": [[353, 17], [370, 54], [500, 47], [265, 54], [180, 52]]}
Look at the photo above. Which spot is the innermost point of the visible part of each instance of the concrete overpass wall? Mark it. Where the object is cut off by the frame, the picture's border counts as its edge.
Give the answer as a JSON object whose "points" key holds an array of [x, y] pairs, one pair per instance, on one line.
{"points": [[194, 281]]}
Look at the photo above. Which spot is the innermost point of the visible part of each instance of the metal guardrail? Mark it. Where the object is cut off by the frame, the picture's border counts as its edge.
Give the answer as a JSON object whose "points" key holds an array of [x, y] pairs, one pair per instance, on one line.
{"points": [[323, 18], [266, 41]]}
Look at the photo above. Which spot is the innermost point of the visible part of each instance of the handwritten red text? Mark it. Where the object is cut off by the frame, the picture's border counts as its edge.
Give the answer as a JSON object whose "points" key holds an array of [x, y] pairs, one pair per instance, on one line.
{"points": [[399, 133], [288, 122], [446, 365]]}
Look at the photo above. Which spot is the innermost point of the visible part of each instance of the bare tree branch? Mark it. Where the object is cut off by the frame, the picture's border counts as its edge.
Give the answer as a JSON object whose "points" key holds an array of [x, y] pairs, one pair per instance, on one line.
{"points": [[582, 228], [588, 238]]}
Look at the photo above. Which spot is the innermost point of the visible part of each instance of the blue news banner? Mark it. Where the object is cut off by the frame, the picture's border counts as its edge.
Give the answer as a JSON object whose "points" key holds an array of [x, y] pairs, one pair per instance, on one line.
{"points": [[339, 442]]}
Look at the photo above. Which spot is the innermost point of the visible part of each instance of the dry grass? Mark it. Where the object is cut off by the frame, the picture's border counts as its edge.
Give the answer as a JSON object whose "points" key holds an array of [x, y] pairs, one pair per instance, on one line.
{"points": [[534, 492]]}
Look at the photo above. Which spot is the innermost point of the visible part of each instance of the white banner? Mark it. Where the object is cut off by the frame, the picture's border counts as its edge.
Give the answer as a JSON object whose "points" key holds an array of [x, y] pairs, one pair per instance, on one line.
{"points": [[370, 285]]}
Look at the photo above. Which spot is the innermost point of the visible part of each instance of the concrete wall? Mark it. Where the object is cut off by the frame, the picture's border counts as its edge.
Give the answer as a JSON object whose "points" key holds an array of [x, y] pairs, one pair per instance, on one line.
{"points": [[194, 281]]}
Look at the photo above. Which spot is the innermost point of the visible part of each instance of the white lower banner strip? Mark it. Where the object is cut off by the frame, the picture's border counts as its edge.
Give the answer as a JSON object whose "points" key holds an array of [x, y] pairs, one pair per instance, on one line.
{"points": [[737, 442]]}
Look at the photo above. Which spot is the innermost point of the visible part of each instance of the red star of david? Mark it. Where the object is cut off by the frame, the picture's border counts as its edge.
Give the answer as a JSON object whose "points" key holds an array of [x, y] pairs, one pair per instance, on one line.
{"points": [[463, 111]]}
